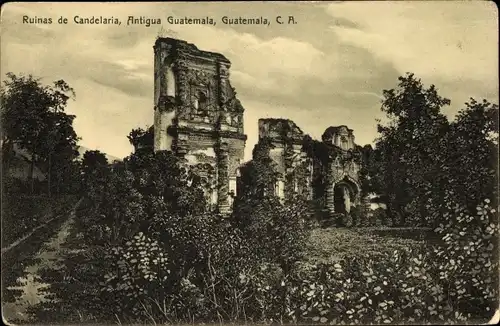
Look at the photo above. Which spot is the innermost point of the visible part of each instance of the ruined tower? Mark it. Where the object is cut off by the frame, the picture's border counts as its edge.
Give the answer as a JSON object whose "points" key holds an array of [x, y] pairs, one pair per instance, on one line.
{"points": [[198, 117]]}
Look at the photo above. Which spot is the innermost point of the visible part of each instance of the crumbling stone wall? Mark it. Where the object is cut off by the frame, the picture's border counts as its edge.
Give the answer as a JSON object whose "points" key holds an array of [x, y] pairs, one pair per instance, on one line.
{"points": [[325, 172], [198, 116], [293, 166]]}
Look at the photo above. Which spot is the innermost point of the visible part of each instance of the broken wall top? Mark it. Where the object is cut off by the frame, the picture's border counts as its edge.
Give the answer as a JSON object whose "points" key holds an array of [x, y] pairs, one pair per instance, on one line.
{"points": [[340, 136], [189, 48], [332, 131], [200, 91], [280, 130]]}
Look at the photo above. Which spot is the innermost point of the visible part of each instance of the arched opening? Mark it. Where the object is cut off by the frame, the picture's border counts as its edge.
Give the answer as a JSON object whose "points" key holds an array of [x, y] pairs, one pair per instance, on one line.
{"points": [[200, 102], [214, 197], [279, 189], [344, 196], [344, 143], [233, 186]]}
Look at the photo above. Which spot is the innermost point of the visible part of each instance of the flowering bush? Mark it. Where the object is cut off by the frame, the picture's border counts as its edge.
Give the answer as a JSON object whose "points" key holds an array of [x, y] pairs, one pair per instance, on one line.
{"points": [[427, 285], [455, 282], [277, 232], [140, 270], [468, 261]]}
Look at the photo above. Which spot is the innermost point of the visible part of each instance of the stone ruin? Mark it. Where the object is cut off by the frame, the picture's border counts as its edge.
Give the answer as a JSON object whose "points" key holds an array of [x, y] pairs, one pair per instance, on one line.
{"points": [[326, 172], [199, 118], [197, 115]]}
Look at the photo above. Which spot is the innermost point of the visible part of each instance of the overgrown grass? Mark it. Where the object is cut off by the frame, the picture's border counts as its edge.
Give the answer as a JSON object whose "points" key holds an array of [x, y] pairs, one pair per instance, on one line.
{"points": [[333, 244]]}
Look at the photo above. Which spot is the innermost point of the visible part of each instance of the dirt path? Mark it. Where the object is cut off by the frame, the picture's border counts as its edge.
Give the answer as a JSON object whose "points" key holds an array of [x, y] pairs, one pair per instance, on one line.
{"points": [[46, 257], [21, 240]]}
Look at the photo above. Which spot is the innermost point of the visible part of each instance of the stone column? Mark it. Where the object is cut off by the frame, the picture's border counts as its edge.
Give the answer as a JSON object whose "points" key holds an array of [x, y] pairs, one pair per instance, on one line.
{"points": [[181, 68], [223, 71], [223, 178], [288, 157], [330, 189], [310, 179]]}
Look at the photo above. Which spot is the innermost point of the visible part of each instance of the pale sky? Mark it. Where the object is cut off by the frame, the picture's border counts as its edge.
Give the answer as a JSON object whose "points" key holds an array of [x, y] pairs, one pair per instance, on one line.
{"points": [[328, 69]]}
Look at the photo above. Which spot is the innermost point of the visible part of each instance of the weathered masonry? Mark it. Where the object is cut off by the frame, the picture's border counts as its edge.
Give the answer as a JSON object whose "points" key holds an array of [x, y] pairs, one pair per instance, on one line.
{"points": [[325, 172], [198, 117]]}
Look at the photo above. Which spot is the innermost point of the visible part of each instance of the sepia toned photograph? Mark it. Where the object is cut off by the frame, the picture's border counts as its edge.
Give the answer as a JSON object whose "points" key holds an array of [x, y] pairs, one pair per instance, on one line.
{"points": [[250, 163]]}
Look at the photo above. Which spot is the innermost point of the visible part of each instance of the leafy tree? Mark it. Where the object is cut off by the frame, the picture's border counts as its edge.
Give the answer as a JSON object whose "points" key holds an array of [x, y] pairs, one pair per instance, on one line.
{"points": [[162, 175], [61, 151], [419, 154], [409, 149], [94, 168], [142, 139], [93, 160], [472, 148], [33, 118]]}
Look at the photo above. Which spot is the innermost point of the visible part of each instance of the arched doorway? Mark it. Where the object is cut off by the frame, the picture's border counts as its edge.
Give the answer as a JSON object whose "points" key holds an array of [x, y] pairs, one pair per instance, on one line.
{"points": [[344, 196]]}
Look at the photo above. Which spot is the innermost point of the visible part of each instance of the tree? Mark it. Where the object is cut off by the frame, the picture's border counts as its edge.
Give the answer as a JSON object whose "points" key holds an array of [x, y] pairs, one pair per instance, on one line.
{"points": [[142, 139], [61, 150], [472, 148], [33, 118], [162, 175], [419, 154], [93, 159], [409, 150], [94, 168]]}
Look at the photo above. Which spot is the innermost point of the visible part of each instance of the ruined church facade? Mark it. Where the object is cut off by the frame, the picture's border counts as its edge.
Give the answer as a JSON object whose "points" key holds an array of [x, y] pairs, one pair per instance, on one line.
{"points": [[199, 118]]}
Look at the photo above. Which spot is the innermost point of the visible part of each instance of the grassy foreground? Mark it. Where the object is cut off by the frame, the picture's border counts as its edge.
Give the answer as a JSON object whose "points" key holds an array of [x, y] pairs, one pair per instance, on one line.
{"points": [[332, 244]]}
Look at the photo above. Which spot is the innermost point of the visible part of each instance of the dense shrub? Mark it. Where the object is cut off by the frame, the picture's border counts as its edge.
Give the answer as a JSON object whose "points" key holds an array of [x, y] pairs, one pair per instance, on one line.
{"points": [[468, 261], [277, 231], [180, 274], [332, 244], [344, 220]]}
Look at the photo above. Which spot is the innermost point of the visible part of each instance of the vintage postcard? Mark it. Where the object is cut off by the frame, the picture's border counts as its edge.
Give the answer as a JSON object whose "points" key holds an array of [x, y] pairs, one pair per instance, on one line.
{"points": [[327, 163]]}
